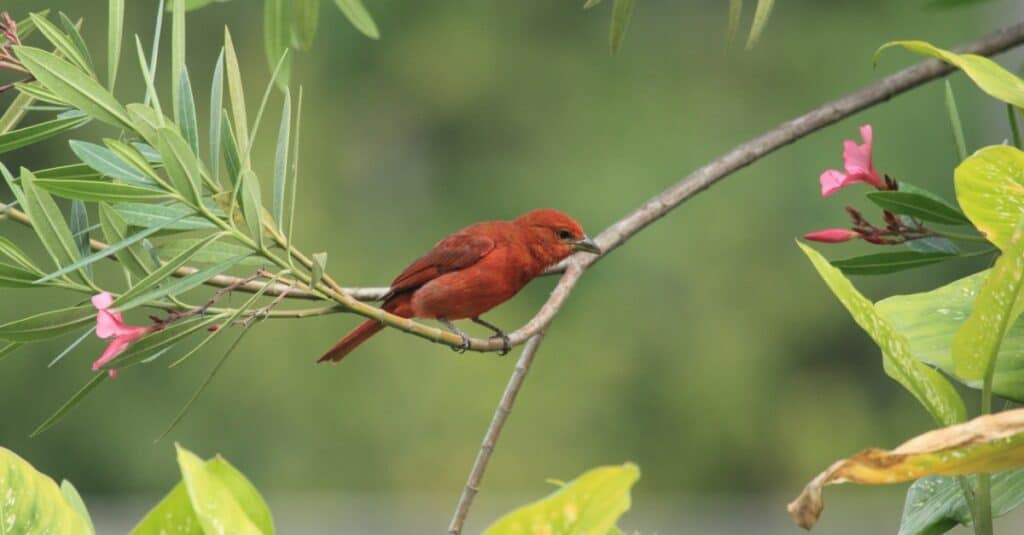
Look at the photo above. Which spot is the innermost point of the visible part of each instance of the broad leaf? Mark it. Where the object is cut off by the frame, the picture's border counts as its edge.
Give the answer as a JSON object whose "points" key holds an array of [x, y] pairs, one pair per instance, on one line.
{"points": [[212, 492], [991, 77], [882, 263], [935, 504], [927, 385], [33, 503], [22, 137], [591, 503], [47, 324], [73, 86], [990, 189], [985, 444], [74, 499]]}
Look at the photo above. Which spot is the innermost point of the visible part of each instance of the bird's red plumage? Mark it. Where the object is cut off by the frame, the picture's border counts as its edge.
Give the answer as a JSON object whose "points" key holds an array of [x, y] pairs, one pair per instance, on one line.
{"points": [[472, 271]]}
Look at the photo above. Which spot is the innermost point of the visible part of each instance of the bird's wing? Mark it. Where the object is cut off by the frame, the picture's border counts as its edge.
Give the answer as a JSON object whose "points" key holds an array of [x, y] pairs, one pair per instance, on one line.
{"points": [[453, 253]]}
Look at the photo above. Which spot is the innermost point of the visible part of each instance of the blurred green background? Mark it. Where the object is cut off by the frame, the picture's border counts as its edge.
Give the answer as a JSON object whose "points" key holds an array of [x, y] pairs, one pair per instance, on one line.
{"points": [[706, 350]]}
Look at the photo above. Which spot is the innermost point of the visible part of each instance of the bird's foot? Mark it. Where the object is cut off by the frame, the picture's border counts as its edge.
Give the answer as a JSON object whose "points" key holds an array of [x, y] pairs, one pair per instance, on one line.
{"points": [[506, 343], [461, 348]]}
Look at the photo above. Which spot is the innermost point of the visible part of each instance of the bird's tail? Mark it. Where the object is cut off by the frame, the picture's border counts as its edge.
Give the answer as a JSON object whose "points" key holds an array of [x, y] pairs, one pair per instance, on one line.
{"points": [[353, 340]]}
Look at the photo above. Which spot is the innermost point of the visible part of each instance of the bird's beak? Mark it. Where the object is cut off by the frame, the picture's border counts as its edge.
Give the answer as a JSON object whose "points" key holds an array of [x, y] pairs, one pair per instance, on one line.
{"points": [[586, 245]]}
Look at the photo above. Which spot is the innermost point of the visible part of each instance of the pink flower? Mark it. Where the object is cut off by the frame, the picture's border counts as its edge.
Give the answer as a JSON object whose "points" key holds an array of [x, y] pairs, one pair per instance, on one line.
{"points": [[833, 235], [111, 325], [859, 168]]}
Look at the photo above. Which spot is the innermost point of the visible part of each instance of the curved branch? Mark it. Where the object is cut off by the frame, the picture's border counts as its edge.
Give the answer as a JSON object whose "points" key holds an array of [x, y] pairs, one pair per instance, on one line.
{"points": [[659, 205]]}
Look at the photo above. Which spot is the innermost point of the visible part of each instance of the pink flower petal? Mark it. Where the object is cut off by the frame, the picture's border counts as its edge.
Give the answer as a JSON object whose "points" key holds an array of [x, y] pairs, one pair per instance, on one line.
{"points": [[113, 350], [831, 182], [102, 300], [832, 235]]}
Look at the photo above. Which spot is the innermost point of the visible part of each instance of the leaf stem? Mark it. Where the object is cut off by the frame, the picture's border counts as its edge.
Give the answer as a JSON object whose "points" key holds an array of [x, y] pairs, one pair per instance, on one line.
{"points": [[983, 490]]}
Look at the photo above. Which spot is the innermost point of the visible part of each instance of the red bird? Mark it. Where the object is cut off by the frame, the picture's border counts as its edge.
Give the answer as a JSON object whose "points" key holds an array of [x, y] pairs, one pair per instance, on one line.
{"points": [[475, 270]]}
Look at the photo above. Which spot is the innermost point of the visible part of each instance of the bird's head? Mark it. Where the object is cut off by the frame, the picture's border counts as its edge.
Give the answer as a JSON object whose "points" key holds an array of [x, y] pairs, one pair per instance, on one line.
{"points": [[558, 233]]}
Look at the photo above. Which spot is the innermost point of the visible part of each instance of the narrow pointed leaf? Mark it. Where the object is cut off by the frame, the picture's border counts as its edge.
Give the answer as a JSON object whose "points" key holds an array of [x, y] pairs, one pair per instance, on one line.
{"points": [[232, 159], [73, 86], [165, 271], [319, 264], [281, 160], [295, 173], [985, 444], [252, 205], [177, 56], [216, 105], [81, 338], [919, 206], [237, 94], [76, 39], [16, 277], [929, 387], [305, 17], [214, 253], [181, 163], [102, 191], [48, 222], [933, 244], [80, 227], [71, 403], [761, 14], [15, 111], [106, 162], [115, 31], [103, 253], [115, 230], [155, 344], [10, 250], [149, 76], [132, 163], [9, 349], [883, 263], [168, 216], [78, 171], [147, 122], [187, 112], [47, 324], [277, 37], [61, 42], [357, 14], [735, 12], [184, 284], [954, 123], [622, 11], [22, 137], [591, 3]]}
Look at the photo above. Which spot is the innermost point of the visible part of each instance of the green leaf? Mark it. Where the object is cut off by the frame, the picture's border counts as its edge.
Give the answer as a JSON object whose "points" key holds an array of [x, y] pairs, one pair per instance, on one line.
{"points": [[955, 124], [70, 403], [252, 205], [281, 159], [80, 227], [997, 306], [168, 216], [182, 285], [76, 39], [882, 263], [319, 264], [16, 277], [920, 206], [157, 343], [987, 74], [33, 503], [73, 86], [590, 3], [192, 5], [147, 121], [9, 349], [48, 222], [107, 163], [232, 158], [276, 38], [16, 111], [8, 249], [927, 385], [357, 14], [178, 57], [101, 191], [181, 164], [735, 13], [216, 103], [761, 14], [935, 504], [74, 499], [990, 189], [22, 137], [149, 76], [213, 254], [132, 155], [115, 230], [217, 494], [187, 112], [165, 271], [933, 244], [70, 347], [115, 30], [591, 503], [47, 324], [74, 171], [295, 173], [237, 94], [622, 12], [305, 17], [61, 43], [103, 253]]}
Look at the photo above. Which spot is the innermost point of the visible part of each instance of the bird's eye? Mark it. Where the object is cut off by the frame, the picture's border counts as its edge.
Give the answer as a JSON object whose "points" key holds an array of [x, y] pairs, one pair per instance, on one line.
{"points": [[565, 235]]}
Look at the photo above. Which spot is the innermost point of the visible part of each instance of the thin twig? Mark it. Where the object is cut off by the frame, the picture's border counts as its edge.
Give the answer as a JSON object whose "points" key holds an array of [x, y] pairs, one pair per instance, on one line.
{"points": [[476, 475], [658, 206]]}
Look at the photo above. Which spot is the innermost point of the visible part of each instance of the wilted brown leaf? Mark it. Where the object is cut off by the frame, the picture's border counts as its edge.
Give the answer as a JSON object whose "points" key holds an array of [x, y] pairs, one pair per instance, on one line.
{"points": [[984, 444]]}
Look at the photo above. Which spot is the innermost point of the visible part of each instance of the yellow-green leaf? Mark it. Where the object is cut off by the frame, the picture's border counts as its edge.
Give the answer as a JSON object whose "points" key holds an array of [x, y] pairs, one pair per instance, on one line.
{"points": [[927, 385], [357, 14], [991, 77], [983, 445], [589, 504], [990, 190], [216, 507], [33, 503]]}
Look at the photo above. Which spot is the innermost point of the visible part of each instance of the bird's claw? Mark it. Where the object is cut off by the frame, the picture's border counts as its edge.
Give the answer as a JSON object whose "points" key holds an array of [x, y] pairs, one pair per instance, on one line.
{"points": [[506, 343], [464, 346]]}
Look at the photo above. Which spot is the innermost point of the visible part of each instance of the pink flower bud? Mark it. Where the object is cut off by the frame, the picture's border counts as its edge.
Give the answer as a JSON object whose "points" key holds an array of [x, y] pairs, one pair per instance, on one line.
{"points": [[833, 235]]}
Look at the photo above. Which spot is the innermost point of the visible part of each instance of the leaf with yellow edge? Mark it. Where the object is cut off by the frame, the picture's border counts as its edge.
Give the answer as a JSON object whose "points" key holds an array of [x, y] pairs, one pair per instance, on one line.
{"points": [[33, 503], [925, 383], [991, 77], [990, 190], [985, 444], [589, 504]]}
